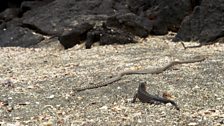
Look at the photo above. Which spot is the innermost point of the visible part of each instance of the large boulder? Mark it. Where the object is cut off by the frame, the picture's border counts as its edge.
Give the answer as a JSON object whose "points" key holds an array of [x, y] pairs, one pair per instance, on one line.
{"points": [[18, 36], [70, 38], [132, 23], [61, 15], [205, 24], [164, 15]]}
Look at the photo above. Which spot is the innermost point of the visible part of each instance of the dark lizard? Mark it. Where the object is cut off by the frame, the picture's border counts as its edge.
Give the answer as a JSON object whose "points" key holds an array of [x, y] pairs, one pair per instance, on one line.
{"points": [[145, 97]]}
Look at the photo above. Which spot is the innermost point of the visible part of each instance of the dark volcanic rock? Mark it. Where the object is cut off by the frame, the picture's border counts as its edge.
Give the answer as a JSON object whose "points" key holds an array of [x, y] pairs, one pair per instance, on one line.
{"points": [[167, 15], [116, 37], [71, 38], [129, 22], [12, 31], [205, 24], [10, 13], [17, 36], [76, 20], [60, 15], [29, 5], [4, 4], [164, 14], [108, 35], [139, 6]]}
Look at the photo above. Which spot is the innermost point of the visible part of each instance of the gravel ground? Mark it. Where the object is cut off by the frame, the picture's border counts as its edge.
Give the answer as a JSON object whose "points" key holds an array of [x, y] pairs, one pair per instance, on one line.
{"points": [[36, 85]]}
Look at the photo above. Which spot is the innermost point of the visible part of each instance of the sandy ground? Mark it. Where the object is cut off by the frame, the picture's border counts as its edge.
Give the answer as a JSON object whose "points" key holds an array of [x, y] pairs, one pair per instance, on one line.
{"points": [[36, 85]]}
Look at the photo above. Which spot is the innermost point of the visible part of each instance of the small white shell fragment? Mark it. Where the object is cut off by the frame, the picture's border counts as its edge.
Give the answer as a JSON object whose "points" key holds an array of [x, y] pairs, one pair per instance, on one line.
{"points": [[50, 97]]}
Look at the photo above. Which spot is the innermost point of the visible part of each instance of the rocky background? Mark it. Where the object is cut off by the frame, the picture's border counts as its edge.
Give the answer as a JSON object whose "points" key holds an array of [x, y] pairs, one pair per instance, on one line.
{"points": [[26, 23]]}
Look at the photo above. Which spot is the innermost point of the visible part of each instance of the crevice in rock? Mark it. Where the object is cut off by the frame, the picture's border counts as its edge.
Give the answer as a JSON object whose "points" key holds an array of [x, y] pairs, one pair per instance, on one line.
{"points": [[35, 29]]}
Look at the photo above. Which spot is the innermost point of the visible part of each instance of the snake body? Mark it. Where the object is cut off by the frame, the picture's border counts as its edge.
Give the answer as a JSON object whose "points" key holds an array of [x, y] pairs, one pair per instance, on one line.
{"points": [[145, 71]]}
